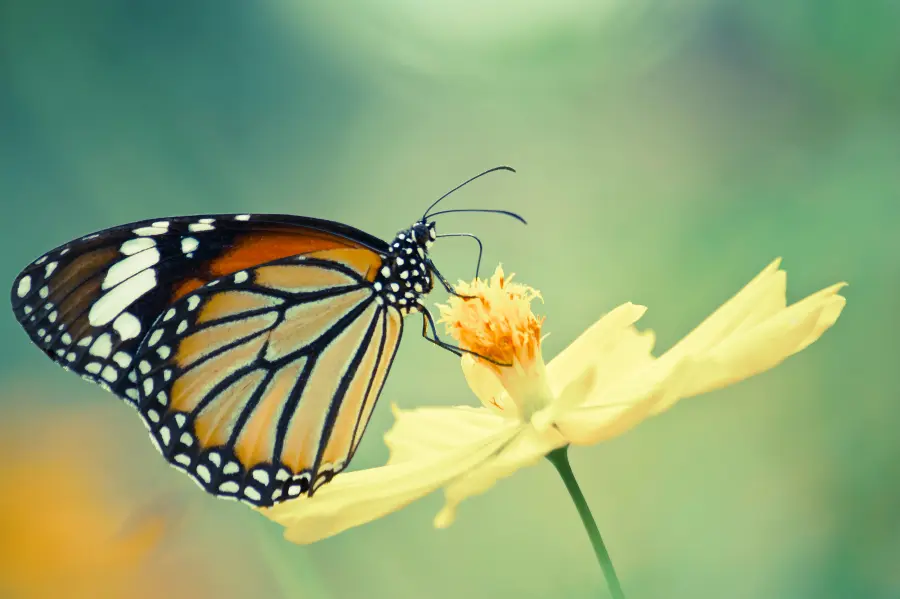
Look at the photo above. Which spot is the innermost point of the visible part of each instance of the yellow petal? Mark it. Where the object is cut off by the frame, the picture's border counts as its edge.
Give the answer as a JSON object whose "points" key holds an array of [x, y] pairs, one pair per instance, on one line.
{"points": [[420, 464], [487, 387], [525, 449], [765, 345], [759, 299], [432, 432], [611, 347], [626, 404]]}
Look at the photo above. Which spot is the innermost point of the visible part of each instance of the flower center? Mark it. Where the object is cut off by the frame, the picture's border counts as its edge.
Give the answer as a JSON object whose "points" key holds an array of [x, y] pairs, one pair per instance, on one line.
{"points": [[494, 321]]}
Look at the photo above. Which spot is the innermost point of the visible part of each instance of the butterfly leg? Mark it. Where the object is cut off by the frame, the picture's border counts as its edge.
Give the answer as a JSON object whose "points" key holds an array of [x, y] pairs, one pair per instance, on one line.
{"points": [[446, 283], [428, 322]]}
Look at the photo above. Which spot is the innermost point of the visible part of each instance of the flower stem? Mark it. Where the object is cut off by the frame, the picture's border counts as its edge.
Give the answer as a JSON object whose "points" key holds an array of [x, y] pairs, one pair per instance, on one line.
{"points": [[560, 460]]}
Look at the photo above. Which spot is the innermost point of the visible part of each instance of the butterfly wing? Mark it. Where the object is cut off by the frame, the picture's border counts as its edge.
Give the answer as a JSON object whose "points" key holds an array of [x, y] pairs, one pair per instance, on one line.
{"points": [[89, 303], [277, 310], [259, 385]]}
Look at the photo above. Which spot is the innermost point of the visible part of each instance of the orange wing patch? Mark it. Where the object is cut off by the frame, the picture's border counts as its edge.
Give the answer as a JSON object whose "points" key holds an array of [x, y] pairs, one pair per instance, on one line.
{"points": [[256, 442], [213, 425], [301, 443], [363, 261], [296, 278], [340, 441], [261, 247], [228, 303], [205, 341], [305, 323], [193, 385], [392, 339]]}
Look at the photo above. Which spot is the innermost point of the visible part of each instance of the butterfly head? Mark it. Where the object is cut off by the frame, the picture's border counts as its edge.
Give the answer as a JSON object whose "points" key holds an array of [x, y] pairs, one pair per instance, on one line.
{"points": [[423, 233]]}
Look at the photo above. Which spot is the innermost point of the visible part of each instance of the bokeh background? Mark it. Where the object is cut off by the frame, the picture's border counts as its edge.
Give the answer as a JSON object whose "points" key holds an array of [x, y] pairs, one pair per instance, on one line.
{"points": [[667, 151]]}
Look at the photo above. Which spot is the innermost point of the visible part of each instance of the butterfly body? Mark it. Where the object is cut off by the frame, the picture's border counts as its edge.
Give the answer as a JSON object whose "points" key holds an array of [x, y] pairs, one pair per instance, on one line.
{"points": [[254, 347]]}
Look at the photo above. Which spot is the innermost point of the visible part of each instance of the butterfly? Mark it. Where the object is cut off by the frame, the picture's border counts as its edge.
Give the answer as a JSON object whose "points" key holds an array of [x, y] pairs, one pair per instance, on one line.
{"points": [[253, 346]]}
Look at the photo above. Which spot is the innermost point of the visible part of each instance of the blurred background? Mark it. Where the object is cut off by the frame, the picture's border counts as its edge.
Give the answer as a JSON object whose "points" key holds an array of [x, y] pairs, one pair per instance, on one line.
{"points": [[667, 151]]}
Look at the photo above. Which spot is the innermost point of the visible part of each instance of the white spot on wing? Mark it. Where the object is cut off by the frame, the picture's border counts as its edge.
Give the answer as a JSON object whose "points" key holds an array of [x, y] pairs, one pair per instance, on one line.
{"points": [[262, 476], [193, 302], [203, 473], [127, 326], [122, 359], [102, 346], [242, 217], [155, 337], [189, 244], [229, 487], [116, 300], [138, 244], [130, 266], [147, 231], [50, 268], [239, 277], [197, 227]]}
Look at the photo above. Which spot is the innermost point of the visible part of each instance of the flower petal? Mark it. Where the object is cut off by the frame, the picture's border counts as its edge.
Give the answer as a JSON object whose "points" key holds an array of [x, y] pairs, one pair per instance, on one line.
{"points": [[487, 387], [611, 347], [759, 299], [525, 449], [432, 432], [765, 345], [421, 463], [626, 404]]}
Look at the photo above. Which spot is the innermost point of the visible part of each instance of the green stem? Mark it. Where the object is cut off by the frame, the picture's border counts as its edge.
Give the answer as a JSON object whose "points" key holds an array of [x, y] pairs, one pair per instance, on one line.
{"points": [[560, 460]]}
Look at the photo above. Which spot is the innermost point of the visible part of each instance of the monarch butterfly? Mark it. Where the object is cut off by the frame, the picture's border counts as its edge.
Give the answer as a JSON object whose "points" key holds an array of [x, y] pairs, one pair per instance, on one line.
{"points": [[253, 346]]}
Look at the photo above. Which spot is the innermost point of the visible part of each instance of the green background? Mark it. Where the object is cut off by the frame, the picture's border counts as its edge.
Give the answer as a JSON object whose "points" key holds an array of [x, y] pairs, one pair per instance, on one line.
{"points": [[667, 151]]}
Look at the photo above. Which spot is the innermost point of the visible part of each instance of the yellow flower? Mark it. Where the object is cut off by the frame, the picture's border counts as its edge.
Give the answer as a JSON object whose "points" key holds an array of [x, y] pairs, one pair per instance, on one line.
{"points": [[603, 384]]}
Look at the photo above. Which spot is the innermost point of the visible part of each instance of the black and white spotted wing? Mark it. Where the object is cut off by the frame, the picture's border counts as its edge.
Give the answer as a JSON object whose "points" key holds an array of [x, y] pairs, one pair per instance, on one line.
{"points": [[127, 307], [87, 304]]}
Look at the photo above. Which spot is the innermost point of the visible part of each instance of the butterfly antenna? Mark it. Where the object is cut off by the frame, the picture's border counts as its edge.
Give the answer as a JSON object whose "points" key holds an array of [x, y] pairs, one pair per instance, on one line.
{"points": [[503, 212], [463, 184]]}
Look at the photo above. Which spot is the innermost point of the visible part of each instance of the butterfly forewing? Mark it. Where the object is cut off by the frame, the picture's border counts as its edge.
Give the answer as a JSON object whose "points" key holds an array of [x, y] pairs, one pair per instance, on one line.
{"points": [[89, 303]]}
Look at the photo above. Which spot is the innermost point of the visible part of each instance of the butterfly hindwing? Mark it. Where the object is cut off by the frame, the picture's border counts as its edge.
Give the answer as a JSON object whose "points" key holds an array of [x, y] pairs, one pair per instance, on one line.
{"points": [[259, 384]]}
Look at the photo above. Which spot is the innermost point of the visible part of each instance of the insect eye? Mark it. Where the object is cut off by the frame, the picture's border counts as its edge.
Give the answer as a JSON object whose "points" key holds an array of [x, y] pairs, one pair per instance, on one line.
{"points": [[421, 235]]}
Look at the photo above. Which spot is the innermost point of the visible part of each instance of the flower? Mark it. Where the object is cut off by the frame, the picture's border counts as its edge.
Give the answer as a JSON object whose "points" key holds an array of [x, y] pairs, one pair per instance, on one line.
{"points": [[603, 384]]}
